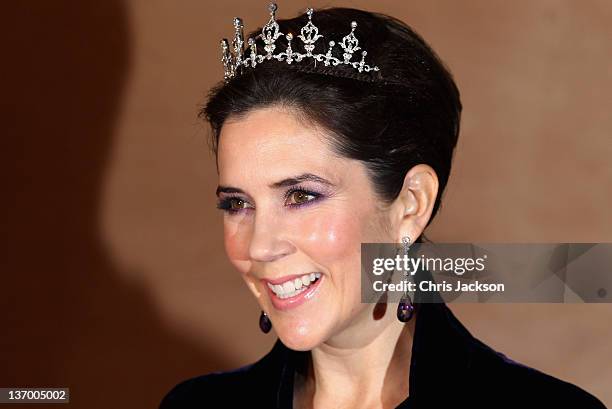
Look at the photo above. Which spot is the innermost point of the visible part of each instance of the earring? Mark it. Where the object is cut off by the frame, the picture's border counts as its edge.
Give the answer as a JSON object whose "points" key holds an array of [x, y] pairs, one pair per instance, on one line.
{"points": [[264, 323], [405, 309]]}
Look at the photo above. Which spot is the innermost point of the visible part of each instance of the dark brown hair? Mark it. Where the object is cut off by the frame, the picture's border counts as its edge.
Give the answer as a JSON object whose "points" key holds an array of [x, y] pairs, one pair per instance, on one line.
{"points": [[391, 120]]}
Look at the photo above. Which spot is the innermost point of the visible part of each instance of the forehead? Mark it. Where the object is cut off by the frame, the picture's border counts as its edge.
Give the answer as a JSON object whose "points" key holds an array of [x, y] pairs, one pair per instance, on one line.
{"points": [[272, 142]]}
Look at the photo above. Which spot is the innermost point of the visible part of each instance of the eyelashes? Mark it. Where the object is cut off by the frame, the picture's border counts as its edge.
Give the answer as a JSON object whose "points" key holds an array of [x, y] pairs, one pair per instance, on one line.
{"points": [[301, 197], [231, 204], [296, 197]]}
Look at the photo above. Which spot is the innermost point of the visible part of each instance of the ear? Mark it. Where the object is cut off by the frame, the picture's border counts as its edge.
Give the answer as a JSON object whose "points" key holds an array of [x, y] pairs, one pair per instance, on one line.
{"points": [[414, 205]]}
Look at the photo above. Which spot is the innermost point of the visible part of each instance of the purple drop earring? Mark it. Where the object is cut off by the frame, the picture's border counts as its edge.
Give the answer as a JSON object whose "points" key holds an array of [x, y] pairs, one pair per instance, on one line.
{"points": [[264, 323], [405, 309]]}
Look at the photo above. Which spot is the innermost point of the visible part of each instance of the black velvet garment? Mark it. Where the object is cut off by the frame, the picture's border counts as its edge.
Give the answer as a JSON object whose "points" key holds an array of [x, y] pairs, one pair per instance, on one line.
{"points": [[449, 369]]}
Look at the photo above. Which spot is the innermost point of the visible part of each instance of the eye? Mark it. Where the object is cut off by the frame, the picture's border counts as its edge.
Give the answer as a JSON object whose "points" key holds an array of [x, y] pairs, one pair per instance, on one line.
{"points": [[299, 197], [236, 204], [233, 204]]}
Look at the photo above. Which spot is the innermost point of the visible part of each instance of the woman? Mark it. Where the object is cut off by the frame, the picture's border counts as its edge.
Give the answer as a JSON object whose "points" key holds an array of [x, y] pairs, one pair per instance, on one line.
{"points": [[333, 129]]}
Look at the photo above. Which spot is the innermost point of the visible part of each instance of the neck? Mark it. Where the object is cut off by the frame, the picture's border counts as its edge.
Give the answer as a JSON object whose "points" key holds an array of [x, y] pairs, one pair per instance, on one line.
{"points": [[368, 364]]}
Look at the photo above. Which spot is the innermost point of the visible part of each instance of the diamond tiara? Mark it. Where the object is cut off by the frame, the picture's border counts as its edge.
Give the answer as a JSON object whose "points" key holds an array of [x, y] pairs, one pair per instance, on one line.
{"points": [[236, 58]]}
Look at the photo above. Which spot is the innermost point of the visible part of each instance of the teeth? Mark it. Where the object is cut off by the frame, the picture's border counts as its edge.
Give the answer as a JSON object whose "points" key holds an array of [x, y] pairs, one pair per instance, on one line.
{"points": [[291, 288]]}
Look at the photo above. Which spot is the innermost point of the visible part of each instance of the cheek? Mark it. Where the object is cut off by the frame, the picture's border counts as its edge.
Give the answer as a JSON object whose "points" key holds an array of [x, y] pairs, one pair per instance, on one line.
{"points": [[329, 238], [236, 240]]}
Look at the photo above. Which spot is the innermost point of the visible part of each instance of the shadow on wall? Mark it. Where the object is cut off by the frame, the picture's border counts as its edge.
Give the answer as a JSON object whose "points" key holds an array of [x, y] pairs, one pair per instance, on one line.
{"points": [[67, 319]]}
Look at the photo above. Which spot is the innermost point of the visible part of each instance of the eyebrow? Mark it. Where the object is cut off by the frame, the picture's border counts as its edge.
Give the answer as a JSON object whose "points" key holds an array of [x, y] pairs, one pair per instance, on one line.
{"points": [[305, 177]]}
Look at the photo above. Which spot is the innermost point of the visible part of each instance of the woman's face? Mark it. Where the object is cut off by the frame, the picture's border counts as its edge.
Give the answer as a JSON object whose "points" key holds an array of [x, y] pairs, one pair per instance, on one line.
{"points": [[295, 217]]}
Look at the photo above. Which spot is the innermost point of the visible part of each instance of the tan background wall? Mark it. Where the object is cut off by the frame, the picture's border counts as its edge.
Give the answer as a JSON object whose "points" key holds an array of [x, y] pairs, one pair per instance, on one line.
{"points": [[114, 281]]}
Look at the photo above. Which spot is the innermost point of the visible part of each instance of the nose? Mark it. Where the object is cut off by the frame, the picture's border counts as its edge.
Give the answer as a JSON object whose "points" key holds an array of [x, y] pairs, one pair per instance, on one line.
{"points": [[268, 240]]}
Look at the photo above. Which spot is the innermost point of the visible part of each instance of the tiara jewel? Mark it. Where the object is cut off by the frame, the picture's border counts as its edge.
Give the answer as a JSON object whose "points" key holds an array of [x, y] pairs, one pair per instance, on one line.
{"points": [[236, 57]]}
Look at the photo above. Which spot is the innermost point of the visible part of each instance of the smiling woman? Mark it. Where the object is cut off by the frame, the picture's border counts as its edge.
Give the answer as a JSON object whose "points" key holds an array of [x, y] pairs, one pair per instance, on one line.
{"points": [[301, 209], [318, 152]]}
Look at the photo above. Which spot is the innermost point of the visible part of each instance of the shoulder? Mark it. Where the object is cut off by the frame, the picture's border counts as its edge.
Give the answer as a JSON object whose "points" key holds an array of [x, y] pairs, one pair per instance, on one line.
{"points": [[234, 388], [474, 375], [509, 382], [204, 389]]}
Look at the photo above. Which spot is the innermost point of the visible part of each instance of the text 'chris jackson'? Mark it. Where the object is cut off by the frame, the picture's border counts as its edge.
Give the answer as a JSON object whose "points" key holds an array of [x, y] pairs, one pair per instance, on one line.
{"points": [[456, 266], [428, 286]]}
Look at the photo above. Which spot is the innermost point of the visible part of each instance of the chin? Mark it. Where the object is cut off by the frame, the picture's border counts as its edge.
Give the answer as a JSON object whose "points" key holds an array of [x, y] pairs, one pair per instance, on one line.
{"points": [[300, 337], [299, 343]]}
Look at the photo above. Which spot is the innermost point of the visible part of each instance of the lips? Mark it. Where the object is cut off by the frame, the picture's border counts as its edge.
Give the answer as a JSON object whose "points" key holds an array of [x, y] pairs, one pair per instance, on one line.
{"points": [[293, 286], [291, 291]]}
